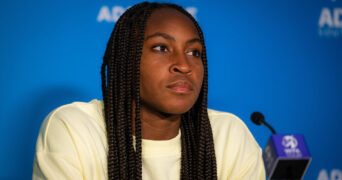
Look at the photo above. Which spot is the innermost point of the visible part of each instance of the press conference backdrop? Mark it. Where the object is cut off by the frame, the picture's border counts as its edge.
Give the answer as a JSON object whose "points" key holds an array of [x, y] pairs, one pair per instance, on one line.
{"points": [[283, 58]]}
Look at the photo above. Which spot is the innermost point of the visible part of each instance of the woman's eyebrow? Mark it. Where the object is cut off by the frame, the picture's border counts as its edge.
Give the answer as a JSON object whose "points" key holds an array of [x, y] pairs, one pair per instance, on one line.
{"points": [[166, 36], [194, 40], [169, 37]]}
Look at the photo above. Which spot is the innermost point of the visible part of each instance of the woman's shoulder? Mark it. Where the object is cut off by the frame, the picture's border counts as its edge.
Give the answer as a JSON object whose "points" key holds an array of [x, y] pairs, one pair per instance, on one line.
{"points": [[92, 108], [78, 112], [220, 120], [72, 142], [229, 129], [216, 116], [74, 119], [238, 155]]}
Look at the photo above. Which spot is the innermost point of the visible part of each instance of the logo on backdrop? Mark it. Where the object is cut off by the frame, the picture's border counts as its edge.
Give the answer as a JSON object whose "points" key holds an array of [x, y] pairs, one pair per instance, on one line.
{"points": [[110, 15], [335, 174], [330, 22], [290, 144]]}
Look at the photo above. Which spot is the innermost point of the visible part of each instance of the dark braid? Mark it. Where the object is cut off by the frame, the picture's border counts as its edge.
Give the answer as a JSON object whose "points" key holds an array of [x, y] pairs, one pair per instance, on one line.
{"points": [[120, 73]]}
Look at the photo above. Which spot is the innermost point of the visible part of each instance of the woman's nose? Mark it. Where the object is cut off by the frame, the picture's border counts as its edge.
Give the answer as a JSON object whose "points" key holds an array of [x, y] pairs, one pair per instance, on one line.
{"points": [[180, 64]]}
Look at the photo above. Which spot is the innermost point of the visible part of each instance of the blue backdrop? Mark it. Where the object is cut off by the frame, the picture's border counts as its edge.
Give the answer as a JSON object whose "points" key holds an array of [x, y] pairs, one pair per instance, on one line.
{"points": [[282, 58]]}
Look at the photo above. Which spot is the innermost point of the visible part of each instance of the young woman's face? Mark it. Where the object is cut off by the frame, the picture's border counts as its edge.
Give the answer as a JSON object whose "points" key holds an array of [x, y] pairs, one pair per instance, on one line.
{"points": [[171, 69]]}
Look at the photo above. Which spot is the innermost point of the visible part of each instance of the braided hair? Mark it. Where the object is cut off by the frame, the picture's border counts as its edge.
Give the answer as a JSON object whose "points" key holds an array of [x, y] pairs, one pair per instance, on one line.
{"points": [[120, 73]]}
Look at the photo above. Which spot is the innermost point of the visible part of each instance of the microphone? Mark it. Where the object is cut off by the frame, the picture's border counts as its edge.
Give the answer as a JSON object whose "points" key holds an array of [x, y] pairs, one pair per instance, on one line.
{"points": [[286, 156], [259, 119]]}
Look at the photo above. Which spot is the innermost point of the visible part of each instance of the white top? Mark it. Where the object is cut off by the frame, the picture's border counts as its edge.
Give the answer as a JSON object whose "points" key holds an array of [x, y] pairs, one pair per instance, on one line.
{"points": [[72, 144]]}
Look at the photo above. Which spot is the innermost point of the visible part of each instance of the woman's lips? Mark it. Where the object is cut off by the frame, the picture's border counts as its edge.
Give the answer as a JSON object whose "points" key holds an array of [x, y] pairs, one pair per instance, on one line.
{"points": [[180, 87]]}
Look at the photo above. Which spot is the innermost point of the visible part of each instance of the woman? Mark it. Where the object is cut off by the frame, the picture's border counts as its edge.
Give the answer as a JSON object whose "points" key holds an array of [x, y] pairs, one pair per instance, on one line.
{"points": [[153, 122]]}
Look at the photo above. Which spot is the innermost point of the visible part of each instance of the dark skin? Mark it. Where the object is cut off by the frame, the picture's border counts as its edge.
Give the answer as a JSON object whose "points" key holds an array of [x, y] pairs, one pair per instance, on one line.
{"points": [[171, 73]]}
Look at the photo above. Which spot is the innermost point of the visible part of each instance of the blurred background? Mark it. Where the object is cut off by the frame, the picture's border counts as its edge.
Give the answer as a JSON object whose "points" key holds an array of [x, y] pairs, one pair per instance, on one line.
{"points": [[283, 58]]}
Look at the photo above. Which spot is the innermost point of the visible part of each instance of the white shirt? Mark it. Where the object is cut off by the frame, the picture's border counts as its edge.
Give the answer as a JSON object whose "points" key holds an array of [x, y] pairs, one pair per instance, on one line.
{"points": [[72, 144]]}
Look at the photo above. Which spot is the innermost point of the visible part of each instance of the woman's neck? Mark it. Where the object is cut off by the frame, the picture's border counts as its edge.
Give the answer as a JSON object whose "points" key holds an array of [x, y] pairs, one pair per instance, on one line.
{"points": [[158, 126]]}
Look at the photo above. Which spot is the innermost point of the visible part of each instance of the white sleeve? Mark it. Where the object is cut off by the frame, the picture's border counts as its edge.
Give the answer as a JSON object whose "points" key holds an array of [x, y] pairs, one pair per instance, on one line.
{"points": [[252, 168], [56, 155], [238, 155]]}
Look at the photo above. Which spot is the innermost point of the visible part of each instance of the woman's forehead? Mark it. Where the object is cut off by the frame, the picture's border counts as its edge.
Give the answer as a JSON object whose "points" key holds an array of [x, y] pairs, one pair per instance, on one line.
{"points": [[171, 18]]}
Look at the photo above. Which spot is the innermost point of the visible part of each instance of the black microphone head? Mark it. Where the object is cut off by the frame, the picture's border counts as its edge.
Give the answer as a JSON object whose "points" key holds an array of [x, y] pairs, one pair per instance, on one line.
{"points": [[257, 118]]}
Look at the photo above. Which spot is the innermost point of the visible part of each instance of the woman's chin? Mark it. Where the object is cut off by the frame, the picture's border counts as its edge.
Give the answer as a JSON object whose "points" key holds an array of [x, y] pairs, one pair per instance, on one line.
{"points": [[178, 109]]}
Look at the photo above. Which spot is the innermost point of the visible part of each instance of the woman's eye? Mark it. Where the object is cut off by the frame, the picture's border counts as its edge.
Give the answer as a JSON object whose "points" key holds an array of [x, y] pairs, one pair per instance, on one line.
{"points": [[160, 48], [195, 53]]}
